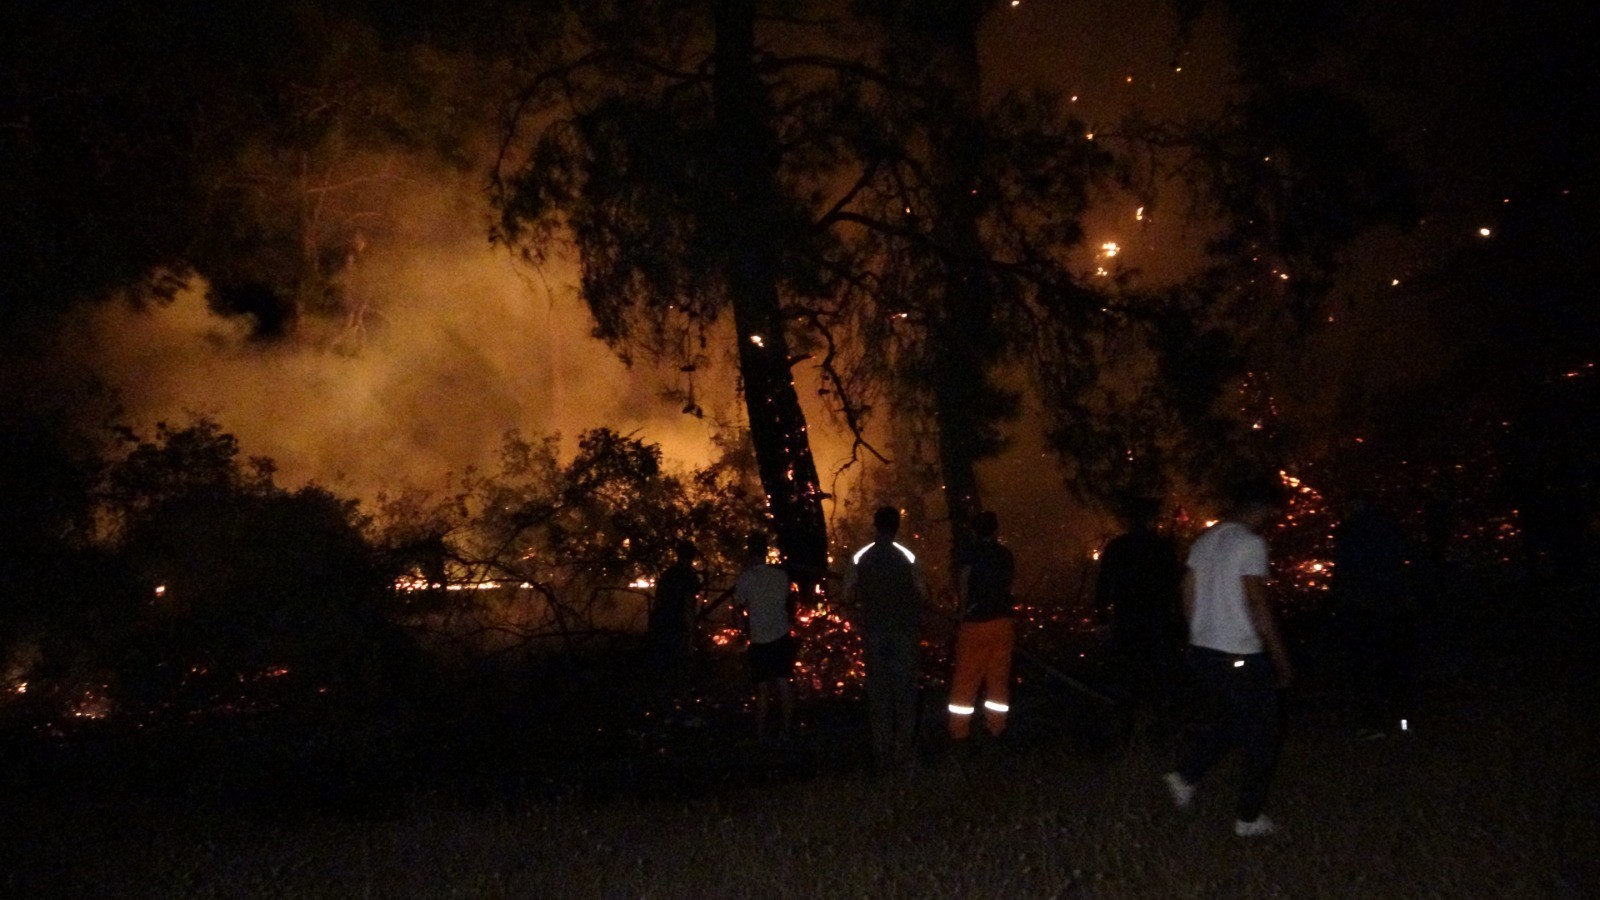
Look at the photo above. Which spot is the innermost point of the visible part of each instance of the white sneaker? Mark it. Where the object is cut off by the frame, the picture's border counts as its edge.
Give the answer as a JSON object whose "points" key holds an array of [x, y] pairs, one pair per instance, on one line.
{"points": [[1182, 791], [1260, 826]]}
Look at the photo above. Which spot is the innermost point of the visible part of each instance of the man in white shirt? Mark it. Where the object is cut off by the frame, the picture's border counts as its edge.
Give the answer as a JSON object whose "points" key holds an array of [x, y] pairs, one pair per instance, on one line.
{"points": [[1236, 652], [763, 590]]}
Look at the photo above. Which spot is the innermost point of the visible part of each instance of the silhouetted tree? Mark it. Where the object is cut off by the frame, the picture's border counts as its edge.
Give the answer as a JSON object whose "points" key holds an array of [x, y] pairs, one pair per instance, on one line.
{"points": [[1282, 183], [568, 543], [141, 148], [963, 221], [657, 149], [239, 594]]}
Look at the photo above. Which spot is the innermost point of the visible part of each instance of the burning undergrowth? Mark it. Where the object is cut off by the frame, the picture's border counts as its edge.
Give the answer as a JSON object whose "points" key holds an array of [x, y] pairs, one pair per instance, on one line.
{"points": [[194, 588]]}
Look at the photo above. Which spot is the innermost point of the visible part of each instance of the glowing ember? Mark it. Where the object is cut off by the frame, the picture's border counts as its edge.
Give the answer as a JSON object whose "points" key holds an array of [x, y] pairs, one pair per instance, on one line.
{"points": [[412, 583], [90, 705]]}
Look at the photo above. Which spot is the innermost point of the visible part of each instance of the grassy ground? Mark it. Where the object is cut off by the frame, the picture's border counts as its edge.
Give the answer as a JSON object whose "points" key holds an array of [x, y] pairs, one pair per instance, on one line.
{"points": [[1493, 794]]}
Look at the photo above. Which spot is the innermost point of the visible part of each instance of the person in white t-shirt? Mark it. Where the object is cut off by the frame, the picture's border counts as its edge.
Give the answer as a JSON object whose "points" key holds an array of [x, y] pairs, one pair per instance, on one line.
{"points": [[763, 590], [1236, 653]]}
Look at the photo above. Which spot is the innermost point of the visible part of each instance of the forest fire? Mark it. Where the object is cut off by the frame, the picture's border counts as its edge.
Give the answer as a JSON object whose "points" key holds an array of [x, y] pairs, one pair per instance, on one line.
{"points": [[414, 583], [511, 330], [385, 279], [1306, 532], [831, 659]]}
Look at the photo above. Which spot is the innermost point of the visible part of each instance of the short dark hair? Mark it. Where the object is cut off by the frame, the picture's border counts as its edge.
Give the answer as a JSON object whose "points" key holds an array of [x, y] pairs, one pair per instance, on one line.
{"points": [[986, 524], [1257, 491], [887, 518], [756, 544], [685, 550], [1141, 509]]}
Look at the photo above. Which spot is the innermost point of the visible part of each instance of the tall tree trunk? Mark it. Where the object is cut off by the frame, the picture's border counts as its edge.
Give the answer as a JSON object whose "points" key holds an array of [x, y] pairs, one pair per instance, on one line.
{"points": [[962, 347], [962, 322], [745, 218]]}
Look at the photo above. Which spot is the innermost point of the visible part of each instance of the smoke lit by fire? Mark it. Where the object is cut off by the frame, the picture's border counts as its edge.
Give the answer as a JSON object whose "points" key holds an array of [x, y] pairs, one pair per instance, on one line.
{"points": [[455, 345]]}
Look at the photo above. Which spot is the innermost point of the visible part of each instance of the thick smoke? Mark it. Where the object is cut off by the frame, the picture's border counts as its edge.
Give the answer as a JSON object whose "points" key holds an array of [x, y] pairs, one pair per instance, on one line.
{"points": [[443, 345]]}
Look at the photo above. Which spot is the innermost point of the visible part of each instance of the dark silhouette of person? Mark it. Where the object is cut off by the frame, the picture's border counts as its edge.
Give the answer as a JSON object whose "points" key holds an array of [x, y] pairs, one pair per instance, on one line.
{"points": [[672, 618], [1137, 592], [986, 635], [763, 590], [1374, 598], [888, 593]]}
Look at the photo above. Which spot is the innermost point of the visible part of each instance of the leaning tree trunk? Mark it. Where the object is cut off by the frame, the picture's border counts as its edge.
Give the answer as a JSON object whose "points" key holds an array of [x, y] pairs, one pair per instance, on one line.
{"points": [[745, 221]]}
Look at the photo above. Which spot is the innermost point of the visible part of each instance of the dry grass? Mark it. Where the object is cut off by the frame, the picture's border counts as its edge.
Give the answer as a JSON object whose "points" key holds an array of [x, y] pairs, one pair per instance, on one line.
{"points": [[1493, 795]]}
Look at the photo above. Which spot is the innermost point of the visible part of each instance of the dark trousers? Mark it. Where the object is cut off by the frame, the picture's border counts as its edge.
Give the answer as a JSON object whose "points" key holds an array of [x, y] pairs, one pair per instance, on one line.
{"points": [[1382, 650], [892, 658], [1150, 683], [1240, 701]]}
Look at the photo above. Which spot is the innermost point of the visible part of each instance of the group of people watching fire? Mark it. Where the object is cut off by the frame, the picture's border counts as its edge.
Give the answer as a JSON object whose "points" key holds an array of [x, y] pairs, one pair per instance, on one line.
{"points": [[1202, 629]]}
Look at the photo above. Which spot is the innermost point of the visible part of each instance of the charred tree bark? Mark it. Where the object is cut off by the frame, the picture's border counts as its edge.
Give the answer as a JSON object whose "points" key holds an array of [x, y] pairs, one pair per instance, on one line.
{"points": [[745, 219], [964, 343]]}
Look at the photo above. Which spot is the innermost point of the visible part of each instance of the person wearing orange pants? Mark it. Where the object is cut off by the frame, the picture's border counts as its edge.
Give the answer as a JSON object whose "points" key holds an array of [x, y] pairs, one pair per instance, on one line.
{"points": [[983, 661], [986, 635]]}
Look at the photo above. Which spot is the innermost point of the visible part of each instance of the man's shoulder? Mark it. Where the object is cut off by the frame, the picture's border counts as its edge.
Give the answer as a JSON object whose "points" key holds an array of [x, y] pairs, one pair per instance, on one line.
{"points": [[1228, 533], [985, 553], [678, 576], [1002, 559], [761, 572], [1244, 537], [884, 553], [1229, 544]]}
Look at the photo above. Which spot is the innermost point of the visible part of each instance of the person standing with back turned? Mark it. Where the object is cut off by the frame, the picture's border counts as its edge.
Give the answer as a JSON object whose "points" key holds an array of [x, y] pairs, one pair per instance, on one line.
{"points": [[1236, 653], [671, 621], [1137, 591], [987, 634], [763, 591], [889, 593]]}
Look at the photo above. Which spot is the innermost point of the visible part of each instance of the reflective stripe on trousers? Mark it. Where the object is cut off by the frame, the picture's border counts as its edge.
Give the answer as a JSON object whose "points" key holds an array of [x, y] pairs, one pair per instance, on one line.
{"points": [[983, 663]]}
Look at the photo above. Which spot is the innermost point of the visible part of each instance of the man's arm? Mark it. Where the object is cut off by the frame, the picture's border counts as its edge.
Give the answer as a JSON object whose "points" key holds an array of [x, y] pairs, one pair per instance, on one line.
{"points": [[1266, 625], [847, 588]]}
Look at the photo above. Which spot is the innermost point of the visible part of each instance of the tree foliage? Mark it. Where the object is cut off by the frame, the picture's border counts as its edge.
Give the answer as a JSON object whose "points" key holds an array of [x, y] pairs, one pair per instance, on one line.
{"points": [[1171, 389], [653, 138], [143, 149], [918, 230], [960, 230], [567, 545], [231, 580]]}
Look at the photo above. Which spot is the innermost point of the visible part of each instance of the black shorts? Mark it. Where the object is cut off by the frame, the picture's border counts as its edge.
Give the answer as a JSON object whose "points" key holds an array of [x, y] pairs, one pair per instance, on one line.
{"points": [[774, 659]]}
